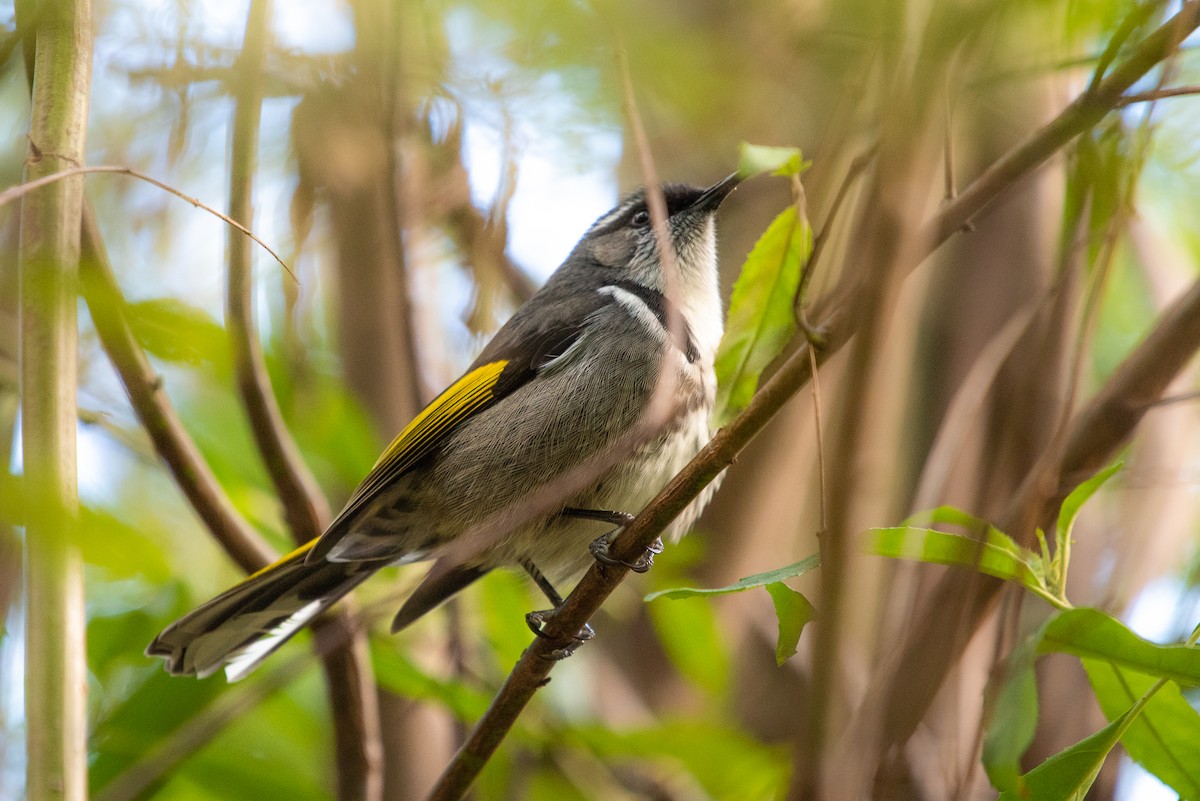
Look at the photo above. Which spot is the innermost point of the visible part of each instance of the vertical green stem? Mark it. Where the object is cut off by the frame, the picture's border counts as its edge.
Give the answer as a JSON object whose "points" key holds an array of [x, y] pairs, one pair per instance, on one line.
{"points": [[56, 669]]}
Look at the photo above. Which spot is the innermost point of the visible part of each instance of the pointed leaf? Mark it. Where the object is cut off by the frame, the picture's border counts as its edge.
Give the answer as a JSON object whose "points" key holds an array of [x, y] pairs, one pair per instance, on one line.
{"points": [[759, 159], [951, 515], [1069, 774], [793, 612], [1165, 739], [1079, 496], [748, 583], [1013, 700], [761, 319], [1092, 634], [998, 556]]}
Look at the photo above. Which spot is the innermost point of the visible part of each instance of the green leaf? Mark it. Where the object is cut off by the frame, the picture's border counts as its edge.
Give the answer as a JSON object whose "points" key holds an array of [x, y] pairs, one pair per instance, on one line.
{"points": [[1069, 774], [691, 637], [176, 332], [1165, 738], [759, 159], [124, 550], [500, 602], [997, 556], [949, 515], [761, 320], [243, 761], [723, 760], [1079, 496], [748, 583], [1013, 701], [1089, 633], [793, 612], [396, 672], [148, 716]]}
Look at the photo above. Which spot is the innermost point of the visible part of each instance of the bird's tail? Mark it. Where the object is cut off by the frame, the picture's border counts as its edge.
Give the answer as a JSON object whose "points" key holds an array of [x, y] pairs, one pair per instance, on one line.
{"points": [[242, 626]]}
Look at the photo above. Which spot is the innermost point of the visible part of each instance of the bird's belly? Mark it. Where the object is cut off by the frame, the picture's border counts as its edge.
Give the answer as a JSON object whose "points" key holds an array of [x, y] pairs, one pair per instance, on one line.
{"points": [[559, 545], [484, 502]]}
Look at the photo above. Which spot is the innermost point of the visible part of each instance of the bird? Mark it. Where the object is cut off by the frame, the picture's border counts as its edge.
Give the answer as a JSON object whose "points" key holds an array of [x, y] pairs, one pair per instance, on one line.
{"points": [[569, 377]]}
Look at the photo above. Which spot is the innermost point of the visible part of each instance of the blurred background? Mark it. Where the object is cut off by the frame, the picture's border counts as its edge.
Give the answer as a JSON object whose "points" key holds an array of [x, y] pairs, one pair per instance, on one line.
{"points": [[423, 166]]}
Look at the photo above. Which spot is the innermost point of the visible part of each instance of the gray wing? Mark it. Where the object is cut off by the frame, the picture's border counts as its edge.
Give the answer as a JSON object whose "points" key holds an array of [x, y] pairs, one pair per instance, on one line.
{"points": [[521, 350]]}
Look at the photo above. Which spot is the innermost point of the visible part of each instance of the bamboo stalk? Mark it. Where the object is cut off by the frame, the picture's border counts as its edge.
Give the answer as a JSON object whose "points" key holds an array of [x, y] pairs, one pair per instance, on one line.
{"points": [[55, 652]]}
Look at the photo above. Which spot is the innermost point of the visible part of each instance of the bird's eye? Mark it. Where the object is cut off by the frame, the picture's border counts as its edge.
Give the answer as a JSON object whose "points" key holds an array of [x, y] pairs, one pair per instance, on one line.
{"points": [[641, 219]]}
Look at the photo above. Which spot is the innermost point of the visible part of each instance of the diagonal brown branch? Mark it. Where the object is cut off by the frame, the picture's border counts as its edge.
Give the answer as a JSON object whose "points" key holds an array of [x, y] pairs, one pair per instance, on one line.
{"points": [[533, 669], [353, 702], [144, 388], [1081, 115], [304, 507]]}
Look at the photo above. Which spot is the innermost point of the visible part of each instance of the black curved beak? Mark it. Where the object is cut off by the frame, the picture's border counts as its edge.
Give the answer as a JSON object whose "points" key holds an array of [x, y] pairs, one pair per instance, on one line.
{"points": [[715, 194]]}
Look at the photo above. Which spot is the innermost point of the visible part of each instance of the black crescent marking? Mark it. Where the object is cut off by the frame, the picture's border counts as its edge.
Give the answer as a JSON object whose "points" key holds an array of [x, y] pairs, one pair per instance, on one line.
{"points": [[663, 309]]}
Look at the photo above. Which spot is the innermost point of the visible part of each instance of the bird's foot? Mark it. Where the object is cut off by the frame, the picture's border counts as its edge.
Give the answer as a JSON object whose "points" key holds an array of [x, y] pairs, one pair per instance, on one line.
{"points": [[600, 550], [537, 624]]}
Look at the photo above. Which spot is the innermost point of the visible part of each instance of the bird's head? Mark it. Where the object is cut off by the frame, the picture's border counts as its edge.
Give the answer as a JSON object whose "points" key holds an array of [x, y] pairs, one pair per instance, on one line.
{"points": [[623, 240]]}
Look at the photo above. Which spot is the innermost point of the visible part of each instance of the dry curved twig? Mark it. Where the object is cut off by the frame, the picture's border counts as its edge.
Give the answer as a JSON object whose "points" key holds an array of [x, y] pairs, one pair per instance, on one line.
{"points": [[14, 192]]}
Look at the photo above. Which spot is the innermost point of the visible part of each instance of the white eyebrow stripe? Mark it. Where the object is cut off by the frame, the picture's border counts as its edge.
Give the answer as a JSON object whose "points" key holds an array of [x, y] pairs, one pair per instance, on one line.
{"points": [[635, 306], [615, 214]]}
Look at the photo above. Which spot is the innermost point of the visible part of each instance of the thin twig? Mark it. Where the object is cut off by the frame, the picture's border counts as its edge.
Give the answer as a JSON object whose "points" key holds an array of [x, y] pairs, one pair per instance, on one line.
{"points": [[951, 181], [1159, 94], [1186, 397], [821, 238], [14, 192], [1082, 114], [807, 269], [664, 388], [818, 428], [533, 670], [1031, 71]]}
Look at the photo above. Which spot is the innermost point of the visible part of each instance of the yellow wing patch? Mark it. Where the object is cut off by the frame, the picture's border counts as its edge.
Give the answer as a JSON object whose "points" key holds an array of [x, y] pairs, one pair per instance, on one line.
{"points": [[301, 551], [460, 399], [466, 396]]}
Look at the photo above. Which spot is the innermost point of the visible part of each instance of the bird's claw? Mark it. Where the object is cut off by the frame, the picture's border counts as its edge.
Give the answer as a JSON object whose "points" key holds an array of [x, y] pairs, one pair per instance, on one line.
{"points": [[600, 550], [537, 624]]}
